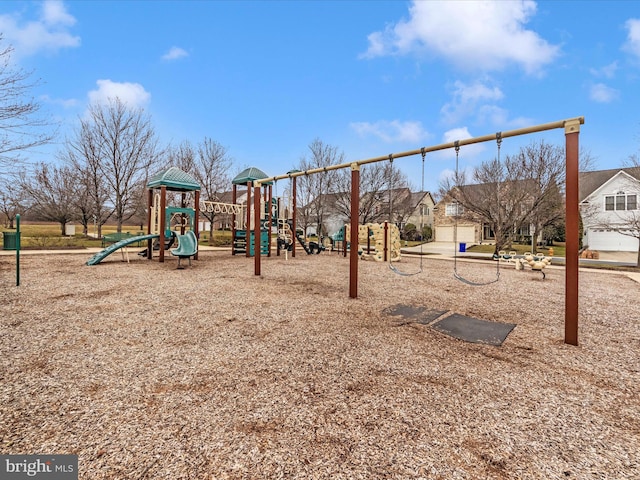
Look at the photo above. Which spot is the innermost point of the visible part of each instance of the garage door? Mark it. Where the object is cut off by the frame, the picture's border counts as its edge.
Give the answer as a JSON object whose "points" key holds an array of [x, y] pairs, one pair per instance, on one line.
{"points": [[466, 234], [607, 240]]}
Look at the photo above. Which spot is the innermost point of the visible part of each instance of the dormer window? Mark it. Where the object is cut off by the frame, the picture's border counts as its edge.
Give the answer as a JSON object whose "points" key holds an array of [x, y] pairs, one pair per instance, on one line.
{"points": [[453, 209], [621, 201]]}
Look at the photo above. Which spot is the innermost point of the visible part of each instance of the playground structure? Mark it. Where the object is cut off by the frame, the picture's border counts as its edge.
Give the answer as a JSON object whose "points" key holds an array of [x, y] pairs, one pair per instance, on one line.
{"points": [[274, 212], [537, 262], [376, 241], [162, 218], [247, 225], [187, 247], [571, 129]]}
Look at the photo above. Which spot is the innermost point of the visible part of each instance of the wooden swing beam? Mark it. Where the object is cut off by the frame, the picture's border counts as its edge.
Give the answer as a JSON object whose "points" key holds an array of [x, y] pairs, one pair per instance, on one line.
{"points": [[572, 132]]}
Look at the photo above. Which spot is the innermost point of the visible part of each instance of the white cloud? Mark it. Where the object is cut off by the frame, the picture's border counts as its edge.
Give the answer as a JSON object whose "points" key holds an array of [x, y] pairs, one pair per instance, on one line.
{"points": [[466, 152], [48, 33], [133, 94], [468, 98], [392, 131], [175, 53], [54, 13], [633, 36], [65, 103], [602, 93], [608, 71], [473, 35], [460, 133]]}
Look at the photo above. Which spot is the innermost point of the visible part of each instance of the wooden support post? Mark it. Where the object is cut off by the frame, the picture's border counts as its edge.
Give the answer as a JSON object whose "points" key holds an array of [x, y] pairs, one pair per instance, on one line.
{"points": [[344, 241], [248, 220], [386, 244], [163, 220], [355, 218], [149, 225], [572, 134], [234, 200], [196, 227], [279, 206], [269, 216], [256, 230], [294, 218]]}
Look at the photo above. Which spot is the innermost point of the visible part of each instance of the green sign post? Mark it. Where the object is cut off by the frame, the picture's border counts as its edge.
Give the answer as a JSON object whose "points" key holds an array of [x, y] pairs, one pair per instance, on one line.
{"points": [[17, 250]]}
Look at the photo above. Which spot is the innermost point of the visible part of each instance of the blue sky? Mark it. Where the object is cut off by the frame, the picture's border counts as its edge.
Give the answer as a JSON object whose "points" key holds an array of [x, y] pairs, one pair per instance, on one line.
{"points": [[266, 78]]}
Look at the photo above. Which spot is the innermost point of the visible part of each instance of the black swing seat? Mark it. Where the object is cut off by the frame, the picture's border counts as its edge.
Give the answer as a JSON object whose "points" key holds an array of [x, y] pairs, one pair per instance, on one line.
{"points": [[187, 247]]}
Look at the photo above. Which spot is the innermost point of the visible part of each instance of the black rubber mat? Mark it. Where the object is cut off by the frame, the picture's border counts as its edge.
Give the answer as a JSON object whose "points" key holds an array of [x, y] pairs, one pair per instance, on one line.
{"points": [[413, 314], [474, 330]]}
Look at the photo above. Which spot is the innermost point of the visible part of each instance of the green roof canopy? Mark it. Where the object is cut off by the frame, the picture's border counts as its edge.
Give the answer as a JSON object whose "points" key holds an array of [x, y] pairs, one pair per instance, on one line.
{"points": [[249, 175], [175, 180]]}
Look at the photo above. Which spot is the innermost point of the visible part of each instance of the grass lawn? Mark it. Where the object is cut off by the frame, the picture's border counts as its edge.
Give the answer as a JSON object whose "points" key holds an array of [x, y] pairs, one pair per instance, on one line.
{"points": [[558, 249], [47, 235]]}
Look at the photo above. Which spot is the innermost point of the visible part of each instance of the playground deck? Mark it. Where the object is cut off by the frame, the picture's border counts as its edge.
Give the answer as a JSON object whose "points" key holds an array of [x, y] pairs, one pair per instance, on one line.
{"points": [[146, 371]]}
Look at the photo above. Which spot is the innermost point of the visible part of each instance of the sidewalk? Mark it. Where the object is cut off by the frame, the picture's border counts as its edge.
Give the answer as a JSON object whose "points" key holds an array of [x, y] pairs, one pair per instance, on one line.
{"points": [[87, 251], [446, 250]]}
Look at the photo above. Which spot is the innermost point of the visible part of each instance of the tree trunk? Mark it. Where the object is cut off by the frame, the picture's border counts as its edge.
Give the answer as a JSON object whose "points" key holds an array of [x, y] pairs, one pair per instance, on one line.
{"points": [[63, 227]]}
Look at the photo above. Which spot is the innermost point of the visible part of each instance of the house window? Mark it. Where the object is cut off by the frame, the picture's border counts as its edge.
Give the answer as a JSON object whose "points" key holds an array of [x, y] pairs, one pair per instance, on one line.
{"points": [[621, 201], [524, 230], [425, 210], [453, 209], [608, 202], [487, 232]]}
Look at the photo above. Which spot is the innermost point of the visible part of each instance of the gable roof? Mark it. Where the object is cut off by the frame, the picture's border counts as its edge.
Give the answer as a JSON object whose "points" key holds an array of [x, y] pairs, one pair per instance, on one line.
{"points": [[589, 182], [417, 198], [480, 189], [249, 175], [175, 180]]}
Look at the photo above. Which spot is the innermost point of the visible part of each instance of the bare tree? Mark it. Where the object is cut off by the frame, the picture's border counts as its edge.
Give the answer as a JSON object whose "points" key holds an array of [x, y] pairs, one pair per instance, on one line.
{"points": [[383, 191], [117, 144], [81, 152], [209, 164], [313, 189], [51, 193], [12, 200], [20, 126], [523, 189]]}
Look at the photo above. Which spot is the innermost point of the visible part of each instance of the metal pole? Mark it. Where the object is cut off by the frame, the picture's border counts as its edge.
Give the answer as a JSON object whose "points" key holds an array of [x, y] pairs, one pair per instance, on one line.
{"points": [[572, 134], [355, 218], [17, 250]]}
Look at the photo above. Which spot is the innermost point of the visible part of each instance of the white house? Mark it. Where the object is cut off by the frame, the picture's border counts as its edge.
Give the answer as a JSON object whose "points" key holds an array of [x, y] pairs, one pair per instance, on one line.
{"points": [[610, 210]]}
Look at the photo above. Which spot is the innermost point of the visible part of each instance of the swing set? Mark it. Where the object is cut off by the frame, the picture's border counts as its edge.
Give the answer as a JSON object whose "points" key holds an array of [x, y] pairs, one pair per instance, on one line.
{"points": [[572, 133]]}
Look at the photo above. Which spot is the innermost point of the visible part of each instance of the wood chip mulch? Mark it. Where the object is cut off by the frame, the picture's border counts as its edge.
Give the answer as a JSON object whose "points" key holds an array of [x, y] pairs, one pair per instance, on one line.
{"points": [[145, 371]]}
